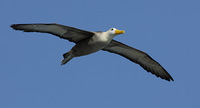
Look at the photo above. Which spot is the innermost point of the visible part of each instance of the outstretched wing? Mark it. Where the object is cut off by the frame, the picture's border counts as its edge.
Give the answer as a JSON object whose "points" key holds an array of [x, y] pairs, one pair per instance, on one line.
{"points": [[139, 57], [65, 32]]}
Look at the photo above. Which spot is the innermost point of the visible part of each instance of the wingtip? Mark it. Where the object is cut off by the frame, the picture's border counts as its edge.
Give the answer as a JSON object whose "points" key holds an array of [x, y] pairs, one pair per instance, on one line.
{"points": [[172, 79], [13, 26], [169, 79]]}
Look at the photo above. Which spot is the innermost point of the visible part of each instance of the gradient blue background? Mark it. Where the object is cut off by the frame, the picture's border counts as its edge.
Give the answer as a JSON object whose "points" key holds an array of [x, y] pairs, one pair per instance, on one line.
{"points": [[31, 75]]}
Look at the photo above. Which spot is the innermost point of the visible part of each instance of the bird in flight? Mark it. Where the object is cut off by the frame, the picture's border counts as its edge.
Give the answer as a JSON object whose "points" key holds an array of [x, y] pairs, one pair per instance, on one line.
{"points": [[88, 42]]}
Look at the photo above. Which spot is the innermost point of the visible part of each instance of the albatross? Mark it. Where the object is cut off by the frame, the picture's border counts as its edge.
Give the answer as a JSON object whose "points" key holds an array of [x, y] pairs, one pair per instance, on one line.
{"points": [[88, 42]]}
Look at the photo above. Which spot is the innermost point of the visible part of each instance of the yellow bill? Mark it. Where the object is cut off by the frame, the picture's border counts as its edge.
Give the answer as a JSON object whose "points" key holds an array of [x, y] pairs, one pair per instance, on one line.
{"points": [[119, 31]]}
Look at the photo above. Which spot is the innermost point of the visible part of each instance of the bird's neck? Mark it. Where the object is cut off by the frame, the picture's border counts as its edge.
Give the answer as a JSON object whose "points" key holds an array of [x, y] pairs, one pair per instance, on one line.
{"points": [[109, 37]]}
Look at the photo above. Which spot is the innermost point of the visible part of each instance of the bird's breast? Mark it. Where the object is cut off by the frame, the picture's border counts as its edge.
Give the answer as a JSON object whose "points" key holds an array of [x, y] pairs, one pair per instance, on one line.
{"points": [[88, 46]]}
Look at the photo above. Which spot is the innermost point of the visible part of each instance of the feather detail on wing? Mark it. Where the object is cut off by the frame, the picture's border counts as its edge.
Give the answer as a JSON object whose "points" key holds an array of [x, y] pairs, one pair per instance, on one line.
{"points": [[65, 32], [139, 57]]}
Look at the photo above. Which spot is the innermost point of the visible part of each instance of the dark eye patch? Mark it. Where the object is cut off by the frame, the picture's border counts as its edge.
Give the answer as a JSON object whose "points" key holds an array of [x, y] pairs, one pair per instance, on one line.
{"points": [[111, 29]]}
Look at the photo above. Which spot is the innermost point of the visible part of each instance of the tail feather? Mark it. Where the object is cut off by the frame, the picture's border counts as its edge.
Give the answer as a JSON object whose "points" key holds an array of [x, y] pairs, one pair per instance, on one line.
{"points": [[67, 57]]}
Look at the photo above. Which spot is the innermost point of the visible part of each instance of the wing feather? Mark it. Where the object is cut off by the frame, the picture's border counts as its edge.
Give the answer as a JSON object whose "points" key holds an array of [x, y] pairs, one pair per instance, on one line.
{"points": [[139, 57], [65, 32]]}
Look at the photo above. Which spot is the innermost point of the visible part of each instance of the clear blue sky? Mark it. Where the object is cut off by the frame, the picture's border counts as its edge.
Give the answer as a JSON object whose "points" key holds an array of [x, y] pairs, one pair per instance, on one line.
{"points": [[31, 75]]}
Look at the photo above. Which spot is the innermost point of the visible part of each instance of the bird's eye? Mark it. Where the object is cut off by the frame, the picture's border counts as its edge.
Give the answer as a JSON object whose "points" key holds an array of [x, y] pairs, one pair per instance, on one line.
{"points": [[111, 29]]}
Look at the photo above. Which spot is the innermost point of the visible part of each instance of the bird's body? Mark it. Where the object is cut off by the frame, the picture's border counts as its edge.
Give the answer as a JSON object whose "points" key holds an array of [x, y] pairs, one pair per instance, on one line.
{"points": [[89, 42], [91, 45], [87, 46]]}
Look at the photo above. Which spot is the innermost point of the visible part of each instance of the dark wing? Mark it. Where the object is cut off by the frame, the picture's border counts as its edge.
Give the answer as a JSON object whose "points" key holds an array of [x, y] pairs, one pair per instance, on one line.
{"points": [[138, 57], [65, 32]]}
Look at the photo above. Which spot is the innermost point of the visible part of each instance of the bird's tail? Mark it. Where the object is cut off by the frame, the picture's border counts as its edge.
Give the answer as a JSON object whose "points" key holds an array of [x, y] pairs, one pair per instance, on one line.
{"points": [[67, 57]]}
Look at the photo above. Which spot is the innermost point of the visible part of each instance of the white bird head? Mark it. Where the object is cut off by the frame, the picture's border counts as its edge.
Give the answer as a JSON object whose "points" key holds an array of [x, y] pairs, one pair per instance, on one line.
{"points": [[113, 32]]}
